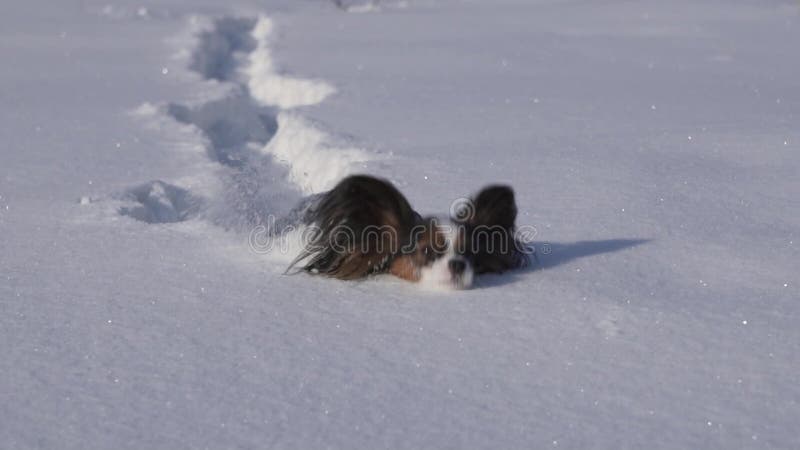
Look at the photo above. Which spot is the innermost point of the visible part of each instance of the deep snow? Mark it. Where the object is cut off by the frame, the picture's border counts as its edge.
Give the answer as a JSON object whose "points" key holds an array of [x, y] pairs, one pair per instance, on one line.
{"points": [[652, 145]]}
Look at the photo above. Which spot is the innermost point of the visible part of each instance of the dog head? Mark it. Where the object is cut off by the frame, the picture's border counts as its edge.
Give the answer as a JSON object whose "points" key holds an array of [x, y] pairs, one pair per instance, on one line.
{"points": [[366, 226]]}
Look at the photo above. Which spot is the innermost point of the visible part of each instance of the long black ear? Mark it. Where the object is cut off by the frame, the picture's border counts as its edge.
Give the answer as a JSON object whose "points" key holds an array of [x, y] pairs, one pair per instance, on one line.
{"points": [[490, 230], [360, 224], [494, 205]]}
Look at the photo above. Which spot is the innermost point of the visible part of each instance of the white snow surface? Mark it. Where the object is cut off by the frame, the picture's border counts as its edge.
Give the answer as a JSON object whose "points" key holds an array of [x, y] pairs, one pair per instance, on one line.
{"points": [[654, 146]]}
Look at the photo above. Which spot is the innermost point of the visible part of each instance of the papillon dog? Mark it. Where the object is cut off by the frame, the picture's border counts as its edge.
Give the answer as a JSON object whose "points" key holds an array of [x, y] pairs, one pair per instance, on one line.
{"points": [[365, 226]]}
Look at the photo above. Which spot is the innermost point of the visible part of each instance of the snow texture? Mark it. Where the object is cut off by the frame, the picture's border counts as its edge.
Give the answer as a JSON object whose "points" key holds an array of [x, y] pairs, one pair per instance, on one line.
{"points": [[151, 150]]}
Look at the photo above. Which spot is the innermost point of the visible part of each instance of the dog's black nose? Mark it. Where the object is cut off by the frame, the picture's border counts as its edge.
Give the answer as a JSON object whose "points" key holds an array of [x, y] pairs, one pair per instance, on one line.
{"points": [[457, 266]]}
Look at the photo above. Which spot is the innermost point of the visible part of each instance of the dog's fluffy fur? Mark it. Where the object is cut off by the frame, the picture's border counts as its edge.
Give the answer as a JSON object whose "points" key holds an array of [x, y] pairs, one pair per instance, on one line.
{"points": [[365, 226]]}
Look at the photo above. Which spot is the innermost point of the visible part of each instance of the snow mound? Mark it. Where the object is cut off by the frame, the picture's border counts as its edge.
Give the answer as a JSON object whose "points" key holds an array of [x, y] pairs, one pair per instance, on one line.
{"points": [[231, 124], [270, 88], [220, 46], [254, 116], [237, 49], [268, 156], [315, 163], [159, 202]]}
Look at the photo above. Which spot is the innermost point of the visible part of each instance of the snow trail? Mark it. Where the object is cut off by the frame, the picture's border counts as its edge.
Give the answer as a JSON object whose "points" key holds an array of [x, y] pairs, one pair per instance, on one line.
{"points": [[266, 155]]}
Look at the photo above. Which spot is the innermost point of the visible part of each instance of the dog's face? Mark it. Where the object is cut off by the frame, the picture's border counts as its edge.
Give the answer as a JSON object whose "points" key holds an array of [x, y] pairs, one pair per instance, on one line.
{"points": [[477, 238], [437, 256], [384, 234]]}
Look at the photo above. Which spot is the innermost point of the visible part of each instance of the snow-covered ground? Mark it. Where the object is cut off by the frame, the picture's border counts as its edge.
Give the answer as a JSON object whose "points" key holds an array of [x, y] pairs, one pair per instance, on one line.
{"points": [[654, 146]]}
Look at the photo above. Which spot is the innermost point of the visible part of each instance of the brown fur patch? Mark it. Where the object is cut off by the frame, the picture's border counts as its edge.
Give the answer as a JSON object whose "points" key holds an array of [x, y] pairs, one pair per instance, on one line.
{"points": [[405, 268]]}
